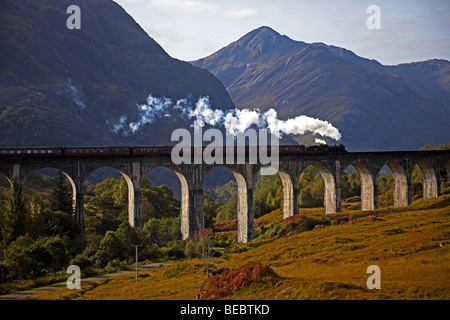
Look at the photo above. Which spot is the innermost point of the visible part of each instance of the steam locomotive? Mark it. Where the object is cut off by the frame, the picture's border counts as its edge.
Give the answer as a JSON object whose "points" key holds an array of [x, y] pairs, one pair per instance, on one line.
{"points": [[125, 151]]}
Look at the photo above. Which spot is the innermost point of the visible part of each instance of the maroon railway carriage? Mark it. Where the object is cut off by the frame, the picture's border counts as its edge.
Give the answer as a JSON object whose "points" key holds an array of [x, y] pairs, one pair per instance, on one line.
{"points": [[151, 150], [292, 149], [270, 149], [111, 151], [97, 151], [30, 152]]}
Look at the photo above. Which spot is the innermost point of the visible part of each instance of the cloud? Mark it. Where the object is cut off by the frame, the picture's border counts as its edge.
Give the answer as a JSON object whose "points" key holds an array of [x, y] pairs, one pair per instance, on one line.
{"points": [[201, 7], [239, 13], [191, 6]]}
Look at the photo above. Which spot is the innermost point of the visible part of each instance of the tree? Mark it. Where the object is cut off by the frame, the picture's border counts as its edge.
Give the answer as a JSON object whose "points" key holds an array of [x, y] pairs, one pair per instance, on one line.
{"points": [[209, 207], [61, 197], [311, 188], [36, 205], [205, 240], [128, 237], [162, 231], [57, 249], [14, 217], [17, 258], [49, 223], [111, 248], [263, 196], [227, 211], [28, 258], [305, 198], [162, 201]]}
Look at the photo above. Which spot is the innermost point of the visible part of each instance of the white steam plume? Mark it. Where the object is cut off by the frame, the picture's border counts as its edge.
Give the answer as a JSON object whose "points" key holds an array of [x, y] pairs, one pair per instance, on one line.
{"points": [[320, 141], [234, 121], [154, 107]]}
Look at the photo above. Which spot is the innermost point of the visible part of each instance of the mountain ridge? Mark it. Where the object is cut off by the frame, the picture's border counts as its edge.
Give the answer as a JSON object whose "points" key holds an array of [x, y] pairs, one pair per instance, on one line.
{"points": [[62, 87], [376, 107]]}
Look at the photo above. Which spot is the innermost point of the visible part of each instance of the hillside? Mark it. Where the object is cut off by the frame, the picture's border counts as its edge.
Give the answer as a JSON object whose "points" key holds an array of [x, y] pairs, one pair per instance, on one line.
{"points": [[329, 261], [375, 107], [62, 87]]}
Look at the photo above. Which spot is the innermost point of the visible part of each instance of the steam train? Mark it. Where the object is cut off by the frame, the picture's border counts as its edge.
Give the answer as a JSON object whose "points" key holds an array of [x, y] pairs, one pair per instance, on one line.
{"points": [[126, 151]]}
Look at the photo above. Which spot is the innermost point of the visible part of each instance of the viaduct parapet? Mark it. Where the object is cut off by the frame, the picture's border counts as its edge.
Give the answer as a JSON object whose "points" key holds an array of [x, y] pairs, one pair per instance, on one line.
{"points": [[330, 165]]}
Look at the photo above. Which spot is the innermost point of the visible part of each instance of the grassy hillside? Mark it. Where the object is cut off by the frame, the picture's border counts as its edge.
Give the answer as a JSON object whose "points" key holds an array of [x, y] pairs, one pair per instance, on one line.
{"points": [[410, 245]]}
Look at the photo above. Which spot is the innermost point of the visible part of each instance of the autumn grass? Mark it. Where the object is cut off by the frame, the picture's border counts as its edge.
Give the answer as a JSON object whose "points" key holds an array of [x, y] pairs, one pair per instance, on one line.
{"points": [[411, 246]]}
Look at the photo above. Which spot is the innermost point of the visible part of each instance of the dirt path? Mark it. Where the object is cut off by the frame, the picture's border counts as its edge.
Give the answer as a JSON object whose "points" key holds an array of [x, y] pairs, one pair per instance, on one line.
{"points": [[19, 295]]}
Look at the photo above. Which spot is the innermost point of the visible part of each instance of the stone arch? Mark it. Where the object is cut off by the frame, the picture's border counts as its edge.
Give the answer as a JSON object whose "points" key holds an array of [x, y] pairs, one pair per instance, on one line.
{"points": [[290, 198], [74, 189], [244, 208], [186, 231], [5, 182], [245, 223], [6, 177], [430, 180], [447, 170], [290, 194], [212, 180], [330, 205], [444, 181], [184, 205], [68, 177], [369, 199], [402, 186], [134, 201], [330, 194]]}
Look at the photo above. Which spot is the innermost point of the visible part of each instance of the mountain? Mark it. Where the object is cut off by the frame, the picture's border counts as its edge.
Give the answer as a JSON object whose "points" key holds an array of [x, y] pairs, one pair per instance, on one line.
{"points": [[62, 87], [375, 107]]}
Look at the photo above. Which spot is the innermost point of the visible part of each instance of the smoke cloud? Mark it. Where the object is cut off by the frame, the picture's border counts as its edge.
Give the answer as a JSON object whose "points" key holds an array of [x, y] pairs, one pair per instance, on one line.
{"points": [[154, 108], [234, 121]]}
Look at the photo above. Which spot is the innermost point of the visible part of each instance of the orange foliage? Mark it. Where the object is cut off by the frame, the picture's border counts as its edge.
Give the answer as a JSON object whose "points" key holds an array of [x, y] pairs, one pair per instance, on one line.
{"points": [[227, 225], [231, 225], [368, 218], [223, 285]]}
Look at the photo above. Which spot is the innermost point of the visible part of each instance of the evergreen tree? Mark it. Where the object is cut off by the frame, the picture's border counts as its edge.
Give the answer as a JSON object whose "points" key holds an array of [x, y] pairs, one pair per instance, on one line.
{"points": [[14, 217], [36, 205], [128, 237], [61, 197]]}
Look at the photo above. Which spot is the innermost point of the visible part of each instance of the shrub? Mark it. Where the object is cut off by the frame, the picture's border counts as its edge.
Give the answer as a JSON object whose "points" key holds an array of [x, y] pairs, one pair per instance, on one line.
{"points": [[28, 258], [4, 270], [82, 261], [150, 251], [226, 225], [111, 248], [353, 199], [162, 231], [310, 223], [190, 250], [116, 264], [223, 239], [226, 283], [175, 252]]}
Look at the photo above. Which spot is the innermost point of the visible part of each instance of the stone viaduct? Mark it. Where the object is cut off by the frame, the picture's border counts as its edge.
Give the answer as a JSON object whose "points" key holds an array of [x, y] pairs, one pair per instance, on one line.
{"points": [[330, 165]]}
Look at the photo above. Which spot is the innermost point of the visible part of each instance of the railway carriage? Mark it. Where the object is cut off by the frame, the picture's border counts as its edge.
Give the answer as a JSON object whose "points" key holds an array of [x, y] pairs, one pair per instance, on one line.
{"points": [[97, 151], [30, 152]]}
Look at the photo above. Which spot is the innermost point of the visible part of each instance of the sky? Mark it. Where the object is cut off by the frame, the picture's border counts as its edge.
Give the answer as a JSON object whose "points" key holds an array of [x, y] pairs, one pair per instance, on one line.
{"points": [[410, 30]]}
